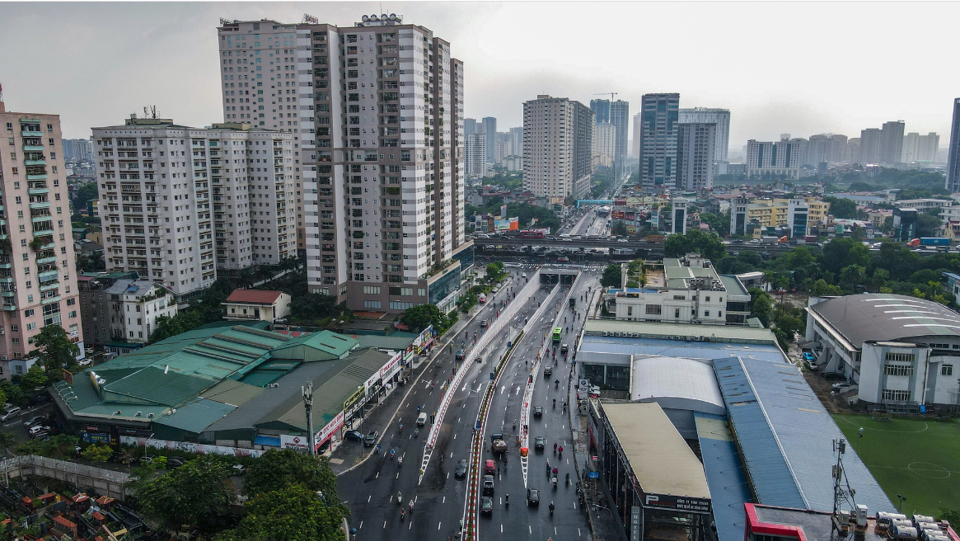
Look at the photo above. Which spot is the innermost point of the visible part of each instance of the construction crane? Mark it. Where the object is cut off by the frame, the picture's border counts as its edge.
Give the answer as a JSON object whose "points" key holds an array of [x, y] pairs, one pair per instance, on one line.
{"points": [[612, 94]]}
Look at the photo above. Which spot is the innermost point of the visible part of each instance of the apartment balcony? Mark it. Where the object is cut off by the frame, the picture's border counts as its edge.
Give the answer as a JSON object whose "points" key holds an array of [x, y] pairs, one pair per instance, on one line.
{"points": [[50, 300], [9, 307], [41, 232], [52, 259], [42, 176], [41, 161], [38, 191], [31, 133], [6, 264], [40, 205], [32, 148], [8, 294], [50, 285]]}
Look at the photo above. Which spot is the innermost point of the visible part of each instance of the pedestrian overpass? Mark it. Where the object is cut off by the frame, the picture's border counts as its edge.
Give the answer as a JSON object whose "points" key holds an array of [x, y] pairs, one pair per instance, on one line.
{"points": [[594, 202]]}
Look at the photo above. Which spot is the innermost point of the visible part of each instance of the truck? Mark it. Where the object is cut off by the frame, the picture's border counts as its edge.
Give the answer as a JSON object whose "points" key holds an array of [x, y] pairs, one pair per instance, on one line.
{"points": [[929, 241], [769, 239], [783, 240]]}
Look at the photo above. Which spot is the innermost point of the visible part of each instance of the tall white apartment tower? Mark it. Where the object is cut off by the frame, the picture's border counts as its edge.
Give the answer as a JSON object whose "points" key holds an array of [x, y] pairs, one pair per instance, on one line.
{"points": [[695, 156], [475, 147], [557, 147], [378, 108], [38, 282], [179, 203], [605, 144], [720, 117]]}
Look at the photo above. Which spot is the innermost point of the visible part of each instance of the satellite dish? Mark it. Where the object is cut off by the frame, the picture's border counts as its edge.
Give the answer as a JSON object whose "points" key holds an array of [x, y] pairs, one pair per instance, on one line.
{"points": [[393, 16], [374, 18], [384, 16], [365, 18]]}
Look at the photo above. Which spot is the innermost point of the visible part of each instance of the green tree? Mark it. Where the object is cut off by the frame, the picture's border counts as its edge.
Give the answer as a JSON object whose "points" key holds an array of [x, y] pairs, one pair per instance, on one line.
{"points": [[97, 453], [612, 276], [277, 469], [762, 308], [879, 279], [34, 378], [720, 223], [840, 253], [422, 316], [707, 245], [842, 208], [791, 324], [55, 349], [851, 277], [187, 494], [292, 512], [822, 289], [495, 270], [87, 192], [7, 440], [897, 259], [187, 320], [928, 225]]}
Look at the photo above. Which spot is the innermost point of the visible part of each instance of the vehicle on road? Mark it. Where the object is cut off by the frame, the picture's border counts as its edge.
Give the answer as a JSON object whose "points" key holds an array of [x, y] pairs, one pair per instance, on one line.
{"points": [[486, 505], [564, 349], [563, 259], [557, 334], [33, 421], [10, 414], [539, 442], [461, 471], [353, 435], [371, 438], [538, 412], [36, 431], [487, 485], [483, 324], [422, 419], [175, 462], [489, 467], [533, 497], [459, 356], [547, 371]]}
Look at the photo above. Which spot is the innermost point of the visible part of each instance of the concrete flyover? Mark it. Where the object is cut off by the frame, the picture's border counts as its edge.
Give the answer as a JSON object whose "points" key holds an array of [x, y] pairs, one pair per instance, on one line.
{"points": [[630, 244]]}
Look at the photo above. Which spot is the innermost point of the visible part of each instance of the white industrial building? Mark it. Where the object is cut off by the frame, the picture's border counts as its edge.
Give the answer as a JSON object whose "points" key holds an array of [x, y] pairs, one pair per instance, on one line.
{"points": [[900, 351], [177, 203]]}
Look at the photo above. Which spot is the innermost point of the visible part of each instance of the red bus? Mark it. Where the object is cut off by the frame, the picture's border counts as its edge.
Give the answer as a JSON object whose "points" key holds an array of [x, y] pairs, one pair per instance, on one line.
{"points": [[531, 235]]}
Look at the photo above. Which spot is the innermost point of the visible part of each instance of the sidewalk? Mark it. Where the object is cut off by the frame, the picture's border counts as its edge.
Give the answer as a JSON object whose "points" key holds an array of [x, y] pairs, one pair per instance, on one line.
{"points": [[348, 454]]}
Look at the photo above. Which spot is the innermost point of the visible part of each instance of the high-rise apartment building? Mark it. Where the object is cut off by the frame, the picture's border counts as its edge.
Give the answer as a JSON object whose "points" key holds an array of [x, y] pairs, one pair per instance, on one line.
{"points": [[601, 111], [695, 155], [490, 130], [38, 281], [557, 147], [469, 127], [920, 148], [77, 150], [379, 107], [870, 145], [179, 203], [826, 147], [891, 141], [605, 144], [953, 151], [720, 117], [476, 155], [620, 118], [658, 140], [516, 141], [504, 148], [637, 129], [777, 160]]}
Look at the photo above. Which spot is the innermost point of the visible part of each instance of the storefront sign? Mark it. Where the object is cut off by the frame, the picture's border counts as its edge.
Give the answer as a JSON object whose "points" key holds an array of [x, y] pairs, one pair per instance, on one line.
{"points": [[297, 443], [385, 371], [635, 522], [95, 437], [331, 427], [677, 503]]}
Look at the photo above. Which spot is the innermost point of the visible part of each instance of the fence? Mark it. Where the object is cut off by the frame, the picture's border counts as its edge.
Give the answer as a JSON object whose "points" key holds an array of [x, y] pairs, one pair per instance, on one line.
{"points": [[105, 482]]}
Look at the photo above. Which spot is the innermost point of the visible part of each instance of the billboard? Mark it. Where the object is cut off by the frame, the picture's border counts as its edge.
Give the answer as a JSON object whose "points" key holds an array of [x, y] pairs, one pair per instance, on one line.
{"points": [[510, 224]]}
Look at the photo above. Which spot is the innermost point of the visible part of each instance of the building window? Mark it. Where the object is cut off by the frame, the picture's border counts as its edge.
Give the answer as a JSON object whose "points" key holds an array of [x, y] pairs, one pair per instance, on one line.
{"points": [[901, 396], [371, 304], [676, 313], [654, 309], [900, 357], [629, 311], [946, 370], [898, 370]]}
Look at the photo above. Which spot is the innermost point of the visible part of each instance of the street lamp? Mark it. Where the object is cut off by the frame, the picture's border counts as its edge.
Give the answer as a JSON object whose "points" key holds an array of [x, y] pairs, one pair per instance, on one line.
{"points": [[308, 405], [859, 438], [900, 505]]}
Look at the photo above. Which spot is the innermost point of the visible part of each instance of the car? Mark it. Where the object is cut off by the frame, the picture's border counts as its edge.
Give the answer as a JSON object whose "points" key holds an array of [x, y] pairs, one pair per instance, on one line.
{"points": [[564, 349], [487, 485], [461, 471], [533, 497], [563, 259], [35, 431], [539, 443], [547, 372], [10, 414], [175, 462], [622, 240], [483, 324], [807, 356], [35, 420], [371, 438], [238, 469], [486, 505], [813, 365], [353, 435], [489, 467], [538, 411], [833, 376]]}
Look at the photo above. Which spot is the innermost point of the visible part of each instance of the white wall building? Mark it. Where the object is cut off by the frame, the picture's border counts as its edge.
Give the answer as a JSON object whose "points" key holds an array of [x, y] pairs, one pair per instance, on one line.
{"points": [[557, 147], [256, 305], [695, 156], [780, 159], [899, 350], [135, 306], [605, 144], [177, 203], [720, 117], [476, 155]]}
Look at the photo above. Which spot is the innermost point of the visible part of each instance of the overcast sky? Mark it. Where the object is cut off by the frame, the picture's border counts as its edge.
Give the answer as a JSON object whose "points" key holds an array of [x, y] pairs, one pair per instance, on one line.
{"points": [[798, 68]]}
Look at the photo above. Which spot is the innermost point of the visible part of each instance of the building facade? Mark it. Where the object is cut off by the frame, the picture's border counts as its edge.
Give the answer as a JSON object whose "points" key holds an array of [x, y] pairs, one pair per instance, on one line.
{"points": [[95, 306], [953, 151], [38, 281], [720, 117], [620, 118], [826, 147], [695, 155], [80, 150], [490, 132], [891, 141], [516, 141], [557, 147], [470, 127], [475, 148], [601, 111], [777, 159], [179, 203], [134, 306], [920, 148], [659, 124], [605, 144], [383, 192], [798, 216]]}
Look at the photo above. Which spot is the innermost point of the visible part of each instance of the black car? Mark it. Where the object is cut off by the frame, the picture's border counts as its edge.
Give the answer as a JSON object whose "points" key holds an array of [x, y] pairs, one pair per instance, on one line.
{"points": [[461, 471], [547, 372], [539, 442], [353, 435], [488, 485], [371, 438], [533, 497], [538, 411], [175, 462], [486, 505]]}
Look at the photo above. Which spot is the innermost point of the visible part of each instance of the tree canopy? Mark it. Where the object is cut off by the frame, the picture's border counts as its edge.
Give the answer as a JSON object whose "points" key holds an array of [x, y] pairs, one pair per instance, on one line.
{"points": [[842, 208], [290, 513], [55, 349], [188, 494], [707, 245], [612, 276]]}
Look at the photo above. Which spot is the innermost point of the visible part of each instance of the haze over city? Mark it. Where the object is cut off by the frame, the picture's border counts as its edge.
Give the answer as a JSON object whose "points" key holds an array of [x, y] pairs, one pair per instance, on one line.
{"points": [[798, 68]]}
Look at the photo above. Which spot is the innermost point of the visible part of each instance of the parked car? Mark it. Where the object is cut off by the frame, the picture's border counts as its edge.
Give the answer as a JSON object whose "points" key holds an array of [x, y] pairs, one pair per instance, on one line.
{"points": [[461, 471], [239, 469], [35, 431], [538, 411], [371, 438], [10, 414], [807, 356], [353, 435], [486, 505], [35, 420], [533, 497], [175, 462], [539, 442], [487, 485]]}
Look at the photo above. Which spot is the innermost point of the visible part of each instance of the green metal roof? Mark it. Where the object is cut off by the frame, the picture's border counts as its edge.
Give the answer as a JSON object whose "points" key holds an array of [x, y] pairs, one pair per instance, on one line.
{"points": [[677, 274], [321, 346], [733, 286], [196, 416], [232, 392]]}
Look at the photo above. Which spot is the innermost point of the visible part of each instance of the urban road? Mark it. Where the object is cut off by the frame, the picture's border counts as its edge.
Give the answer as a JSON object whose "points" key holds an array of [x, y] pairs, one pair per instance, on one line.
{"points": [[376, 490]]}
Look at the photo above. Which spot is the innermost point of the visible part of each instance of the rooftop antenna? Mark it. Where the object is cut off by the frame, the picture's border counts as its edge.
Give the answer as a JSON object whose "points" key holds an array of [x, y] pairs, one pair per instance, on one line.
{"points": [[150, 111], [612, 94], [309, 19]]}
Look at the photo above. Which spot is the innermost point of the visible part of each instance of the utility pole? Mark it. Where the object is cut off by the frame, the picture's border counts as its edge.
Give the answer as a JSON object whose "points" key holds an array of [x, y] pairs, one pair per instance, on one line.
{"points": [[308, 405]]}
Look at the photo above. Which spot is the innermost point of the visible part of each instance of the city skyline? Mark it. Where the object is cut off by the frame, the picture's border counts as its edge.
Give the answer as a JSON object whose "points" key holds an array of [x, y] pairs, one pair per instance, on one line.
{"points": [[497, 44]]}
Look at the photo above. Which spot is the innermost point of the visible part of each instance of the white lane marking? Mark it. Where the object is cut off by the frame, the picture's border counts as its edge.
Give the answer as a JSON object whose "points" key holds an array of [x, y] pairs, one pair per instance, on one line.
{"points": [[451, 452], [361, 525], [384, 525], [438, 526], [410, 524], [368, 498], [578, 533], [531, 529], [398, 475], [444, 500], [454, 436], [377, 476]]}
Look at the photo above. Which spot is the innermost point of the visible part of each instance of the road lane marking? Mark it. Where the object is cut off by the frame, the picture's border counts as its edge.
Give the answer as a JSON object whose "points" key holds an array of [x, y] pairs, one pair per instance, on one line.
{"points": [[528, 527], [361, 525], [444, 500], [438, 526], [377, 476], [368, 498], [384, 525]]}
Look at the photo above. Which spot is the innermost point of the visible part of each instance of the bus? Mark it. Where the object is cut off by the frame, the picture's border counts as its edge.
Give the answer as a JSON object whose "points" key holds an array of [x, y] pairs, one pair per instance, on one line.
{"points": [[531, 235], [556, 334]]}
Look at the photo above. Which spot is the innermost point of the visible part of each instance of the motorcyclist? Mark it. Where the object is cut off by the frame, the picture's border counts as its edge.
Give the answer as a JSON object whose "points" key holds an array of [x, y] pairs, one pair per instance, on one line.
{"points": [[552, 507], [411, 507], [402, 513], [400, 498], [400, 460], [568, 478], [506, 499], [393, 453], [555, 384], [416, 433]]}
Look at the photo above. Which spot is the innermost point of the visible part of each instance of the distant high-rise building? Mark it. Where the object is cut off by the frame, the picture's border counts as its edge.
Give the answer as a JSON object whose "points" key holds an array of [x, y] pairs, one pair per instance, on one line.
{"points": [[825, 147], [490, 130], [953, 151], [364, 155], [637, 128], [891, 141], [695, 155], [778, 160], [38, 278], [469, 126], [476, 155], [516, 141], [658, 140], [720, 117], [605, 143], [851, 154], [620, 118], [920, 148], [557, 147], [77, 150], [738, 216], [504, 148], [870, 143], [601, 110]]}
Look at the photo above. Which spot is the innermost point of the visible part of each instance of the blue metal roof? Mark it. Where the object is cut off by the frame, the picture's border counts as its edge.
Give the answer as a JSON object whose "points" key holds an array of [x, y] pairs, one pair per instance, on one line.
{"points": [[677, 348], [775, 412], [725, 476]]}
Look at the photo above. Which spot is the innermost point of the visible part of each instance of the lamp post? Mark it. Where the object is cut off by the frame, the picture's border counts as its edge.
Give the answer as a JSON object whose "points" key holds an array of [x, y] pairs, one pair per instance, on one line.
{"points": [[859, 439], [900, 505], [308, 405]]}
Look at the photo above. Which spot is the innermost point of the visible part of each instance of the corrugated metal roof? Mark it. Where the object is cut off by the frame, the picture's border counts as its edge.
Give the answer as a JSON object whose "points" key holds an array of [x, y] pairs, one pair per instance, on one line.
{"points": [[232, 392], [678, 378], [675, 348], [196, 416], [644, 328], [882, 316], [725, 476], [329, 344]]}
